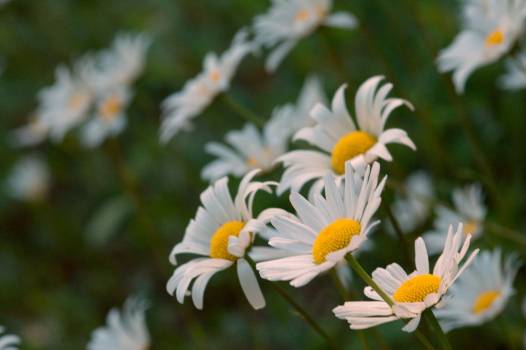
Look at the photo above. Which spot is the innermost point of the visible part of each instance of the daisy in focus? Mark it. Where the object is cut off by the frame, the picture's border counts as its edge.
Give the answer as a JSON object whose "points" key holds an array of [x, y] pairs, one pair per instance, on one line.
{"points": [[8, 341], [199, 92], [469, 209], [29, 180], [410, 295], [222, 233], [515, 76], [481, 293], [124, 330], [491, 29], [339, 140], [324, 229], [289, 21]]}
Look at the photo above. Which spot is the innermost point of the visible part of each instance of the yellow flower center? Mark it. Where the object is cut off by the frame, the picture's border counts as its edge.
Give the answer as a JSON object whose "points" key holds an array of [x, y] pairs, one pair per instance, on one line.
{"points": [[77, 100], [484, 301], [302, 15], [110, 108], [215, 75], [495, 38], [335, 236], [219, 241], [417, 288], [470, 227], [348, 147]]}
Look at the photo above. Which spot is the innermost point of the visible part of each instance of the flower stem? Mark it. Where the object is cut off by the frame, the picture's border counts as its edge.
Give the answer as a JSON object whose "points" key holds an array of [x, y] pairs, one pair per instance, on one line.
{"points": [[437, 329], [242, 111], [398, 230]]}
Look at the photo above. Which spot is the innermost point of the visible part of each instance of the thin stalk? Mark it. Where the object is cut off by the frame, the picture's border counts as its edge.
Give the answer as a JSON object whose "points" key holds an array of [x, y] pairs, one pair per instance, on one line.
{"points": [[437, 329], [242, 111], [401, 236]]}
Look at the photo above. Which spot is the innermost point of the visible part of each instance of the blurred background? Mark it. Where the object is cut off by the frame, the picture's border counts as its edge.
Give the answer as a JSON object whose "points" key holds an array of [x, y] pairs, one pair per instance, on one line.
{"points": [[66, 259]]}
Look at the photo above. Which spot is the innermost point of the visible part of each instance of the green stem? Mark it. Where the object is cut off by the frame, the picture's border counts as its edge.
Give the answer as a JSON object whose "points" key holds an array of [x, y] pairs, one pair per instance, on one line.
{"points": [[242, 111], [399, 233], [437, 329]]}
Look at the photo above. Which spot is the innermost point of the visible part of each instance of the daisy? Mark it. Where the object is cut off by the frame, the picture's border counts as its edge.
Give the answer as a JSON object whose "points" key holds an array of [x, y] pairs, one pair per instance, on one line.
{"points": [[289, 21], [31, 134], [491, 29], [325, 229], [222, 233], [481, 293], [515, 76], [410, 295], [29, 180], [8, 341], [469, 209], [124, 330], [199, 92], [413, 208], [336, 134]]}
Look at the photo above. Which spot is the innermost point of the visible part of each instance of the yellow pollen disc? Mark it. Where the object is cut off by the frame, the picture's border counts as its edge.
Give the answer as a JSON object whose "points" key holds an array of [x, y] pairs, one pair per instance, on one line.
{"points": [[219, 241], [110, 108], [484, 301], [495, 38], [321, 11], [302, 15], [417, 288], [337, 235], [470, 227], [215, 75], [348, 147], [77, 100]]}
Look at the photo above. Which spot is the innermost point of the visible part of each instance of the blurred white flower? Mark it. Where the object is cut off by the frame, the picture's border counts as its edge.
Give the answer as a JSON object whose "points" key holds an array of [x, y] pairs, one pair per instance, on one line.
{"points": [[31, 134], [481, 293], [289, 21], [182, 106], [29, 179], [8, 341], [412, 208], [325, 228], [336, 134], [124, 330], [469, 209], [222, 232], [490, 30], [515, 76], [414, 293]]}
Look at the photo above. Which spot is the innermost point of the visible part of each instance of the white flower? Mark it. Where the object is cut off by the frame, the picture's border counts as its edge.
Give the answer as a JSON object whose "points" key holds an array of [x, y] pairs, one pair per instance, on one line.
{"points": [[222, 233], [124, 330], [469, 209], [31, 134], [180, 107], [325, 228], [515, 76], [8, 341], [289, 21], [109, 118], [336, 134], [481, 293], [411, 294], [29, 179], [491, 29], [413, 208]]}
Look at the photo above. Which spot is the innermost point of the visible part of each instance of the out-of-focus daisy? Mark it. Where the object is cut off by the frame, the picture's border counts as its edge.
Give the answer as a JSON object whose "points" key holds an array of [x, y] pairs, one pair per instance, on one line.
{"points": [[481, 293], [180, 107], [325, 228], [413, 207], [336, 134], [410, 294], [469, 209], [29, 179], [289, 21], [33, 133], [8, 341], [124, 330], [515, 76], [222, 233], [491, 29]]}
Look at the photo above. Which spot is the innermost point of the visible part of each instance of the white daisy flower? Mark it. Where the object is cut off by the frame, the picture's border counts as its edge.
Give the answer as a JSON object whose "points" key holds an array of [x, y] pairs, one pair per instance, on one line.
{"points": [[31, 134], [469, 209], [515, 76], [180, 107], [289, 21], [336, 134], [325, 229], [222, 233], [491, 29], [413, 207], [124, 330], [410, 294], [481, 293], [8, 341], [109, 118], [29, 179]]}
